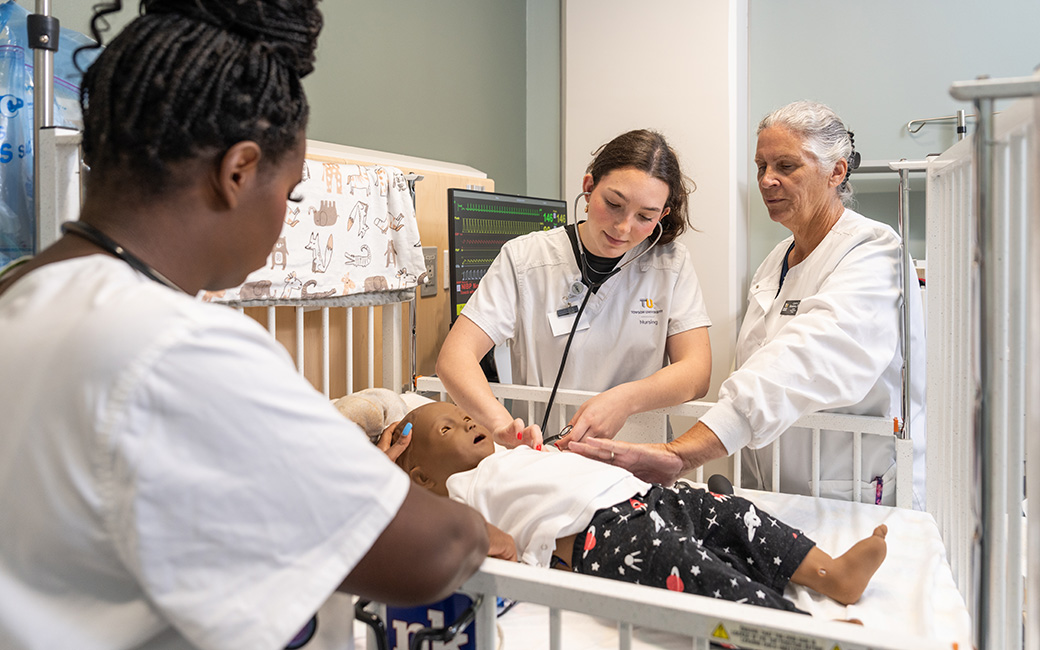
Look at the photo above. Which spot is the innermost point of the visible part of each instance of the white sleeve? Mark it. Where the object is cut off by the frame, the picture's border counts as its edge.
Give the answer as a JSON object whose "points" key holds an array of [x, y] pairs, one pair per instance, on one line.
{"points": [[828, 356], [688, 310], [250, 498], [493, 306]]}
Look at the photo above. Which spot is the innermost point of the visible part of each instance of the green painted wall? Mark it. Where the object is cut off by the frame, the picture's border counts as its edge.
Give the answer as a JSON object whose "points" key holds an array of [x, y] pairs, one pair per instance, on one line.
{"points": [[444, 80], [544, 99], [880, 64]]}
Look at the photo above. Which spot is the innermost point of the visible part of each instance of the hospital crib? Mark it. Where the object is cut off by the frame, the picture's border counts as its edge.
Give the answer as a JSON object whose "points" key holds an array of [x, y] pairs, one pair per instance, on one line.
{"points": [[975, 452], [983, 216], [834, 525]]}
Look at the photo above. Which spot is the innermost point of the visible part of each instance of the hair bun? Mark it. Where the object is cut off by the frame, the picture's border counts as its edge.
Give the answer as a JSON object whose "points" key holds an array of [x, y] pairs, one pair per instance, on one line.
{"points": [[290, 27]]}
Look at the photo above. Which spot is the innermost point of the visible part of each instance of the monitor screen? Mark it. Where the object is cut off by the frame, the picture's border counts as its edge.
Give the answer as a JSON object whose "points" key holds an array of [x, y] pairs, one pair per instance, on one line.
{"points": [[480, 223]]}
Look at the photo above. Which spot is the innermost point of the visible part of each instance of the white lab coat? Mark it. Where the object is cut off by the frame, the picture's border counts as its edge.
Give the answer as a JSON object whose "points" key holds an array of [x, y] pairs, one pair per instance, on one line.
{"points": [[828, 342], [625, 325]]}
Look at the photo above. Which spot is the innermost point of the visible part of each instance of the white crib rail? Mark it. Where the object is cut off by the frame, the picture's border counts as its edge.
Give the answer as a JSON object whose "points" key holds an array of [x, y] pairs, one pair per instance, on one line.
{"points": [[702, 618], [1002, 196], [818, 423], [392, 352], [951, 358]]}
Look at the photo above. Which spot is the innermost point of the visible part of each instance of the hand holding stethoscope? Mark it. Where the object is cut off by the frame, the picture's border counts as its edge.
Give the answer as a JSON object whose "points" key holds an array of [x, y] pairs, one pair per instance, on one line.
{"points": [[600, 416]]}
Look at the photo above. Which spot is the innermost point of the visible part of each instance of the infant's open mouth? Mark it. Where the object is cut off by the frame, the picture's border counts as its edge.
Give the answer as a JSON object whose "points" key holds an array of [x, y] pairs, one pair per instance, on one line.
{"points": [[478, 438]]}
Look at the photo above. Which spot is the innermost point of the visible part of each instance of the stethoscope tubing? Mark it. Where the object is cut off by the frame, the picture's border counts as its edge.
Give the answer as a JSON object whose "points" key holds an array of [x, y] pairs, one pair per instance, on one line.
{"points": [[592, 286], [563, 358]]}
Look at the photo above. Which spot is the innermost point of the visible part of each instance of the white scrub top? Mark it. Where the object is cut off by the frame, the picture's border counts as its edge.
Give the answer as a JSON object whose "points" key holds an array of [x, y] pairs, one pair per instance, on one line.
{"points": [[167, 479], [828, 342], [628, 320]]}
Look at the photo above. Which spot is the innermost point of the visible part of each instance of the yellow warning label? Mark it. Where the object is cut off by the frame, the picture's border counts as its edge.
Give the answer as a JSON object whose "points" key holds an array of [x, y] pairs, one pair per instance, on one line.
{"points": [[720, 632], [836, 647]]}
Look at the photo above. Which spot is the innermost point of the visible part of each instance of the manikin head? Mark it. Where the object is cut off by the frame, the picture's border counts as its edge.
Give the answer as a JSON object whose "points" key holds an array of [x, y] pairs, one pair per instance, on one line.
{"points": [[445, 441]]}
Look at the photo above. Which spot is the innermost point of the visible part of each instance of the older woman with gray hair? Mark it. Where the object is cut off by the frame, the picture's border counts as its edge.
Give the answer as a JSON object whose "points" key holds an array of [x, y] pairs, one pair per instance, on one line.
{"points": [[821, 332]]}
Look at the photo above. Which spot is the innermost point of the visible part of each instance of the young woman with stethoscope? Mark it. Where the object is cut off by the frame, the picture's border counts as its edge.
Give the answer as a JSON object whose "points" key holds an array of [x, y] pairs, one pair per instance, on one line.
{"points": [[641, 340]]}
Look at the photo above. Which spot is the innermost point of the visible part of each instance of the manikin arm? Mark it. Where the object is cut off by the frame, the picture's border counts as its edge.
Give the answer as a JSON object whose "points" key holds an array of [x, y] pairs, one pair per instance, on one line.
{"points": [[657, 463]]}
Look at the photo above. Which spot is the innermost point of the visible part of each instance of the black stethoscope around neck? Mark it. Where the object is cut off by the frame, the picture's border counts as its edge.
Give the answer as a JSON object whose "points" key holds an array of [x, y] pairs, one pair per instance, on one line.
{"points": [[109, 245], [588, 287]]}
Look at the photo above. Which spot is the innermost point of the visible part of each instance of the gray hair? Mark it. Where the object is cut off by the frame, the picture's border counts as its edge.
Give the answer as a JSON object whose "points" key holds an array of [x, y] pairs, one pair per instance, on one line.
{"points": [[823, 133]]}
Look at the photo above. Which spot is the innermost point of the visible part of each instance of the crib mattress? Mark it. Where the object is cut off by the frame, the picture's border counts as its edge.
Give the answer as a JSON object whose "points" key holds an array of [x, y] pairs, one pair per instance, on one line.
{"points": [[912, 593]]}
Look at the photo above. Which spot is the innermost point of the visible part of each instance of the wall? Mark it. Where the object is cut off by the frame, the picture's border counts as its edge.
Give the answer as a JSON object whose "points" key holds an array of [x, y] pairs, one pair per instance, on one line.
{"points": [[627, 68], [440, 80], [880, 64], [544, 107]]}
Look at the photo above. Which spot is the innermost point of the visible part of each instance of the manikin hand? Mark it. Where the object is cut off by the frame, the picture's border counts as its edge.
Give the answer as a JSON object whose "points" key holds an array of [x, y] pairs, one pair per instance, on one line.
{"points": [[654, 463], [502, 544], [515, 434]]}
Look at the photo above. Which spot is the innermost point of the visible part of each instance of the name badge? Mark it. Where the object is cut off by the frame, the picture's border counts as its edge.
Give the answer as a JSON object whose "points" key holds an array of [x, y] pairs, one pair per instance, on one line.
{"points": [[561, 321], [790, 308]]}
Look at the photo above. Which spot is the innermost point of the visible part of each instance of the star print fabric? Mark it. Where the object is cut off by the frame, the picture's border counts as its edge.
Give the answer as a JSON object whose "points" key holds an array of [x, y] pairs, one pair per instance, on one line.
{"points": [[688, 539]]}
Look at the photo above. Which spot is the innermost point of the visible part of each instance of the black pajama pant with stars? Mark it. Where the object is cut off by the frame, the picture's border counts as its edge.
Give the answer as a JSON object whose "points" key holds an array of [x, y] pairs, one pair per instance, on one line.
{"points": [[688, 539]]}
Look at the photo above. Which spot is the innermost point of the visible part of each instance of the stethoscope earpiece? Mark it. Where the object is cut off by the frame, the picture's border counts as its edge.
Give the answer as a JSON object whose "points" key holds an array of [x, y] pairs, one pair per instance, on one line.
{"points": [[580, 194]]}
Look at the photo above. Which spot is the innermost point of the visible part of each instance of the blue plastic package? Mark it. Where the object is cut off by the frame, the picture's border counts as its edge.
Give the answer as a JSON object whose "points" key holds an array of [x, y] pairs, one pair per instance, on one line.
{"points": [[17, 215], [403, 622]]}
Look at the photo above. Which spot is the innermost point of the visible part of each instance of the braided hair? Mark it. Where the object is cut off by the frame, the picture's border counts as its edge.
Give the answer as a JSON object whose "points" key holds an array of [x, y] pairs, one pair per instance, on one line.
{"points": [[649, 152], [190, 78]]}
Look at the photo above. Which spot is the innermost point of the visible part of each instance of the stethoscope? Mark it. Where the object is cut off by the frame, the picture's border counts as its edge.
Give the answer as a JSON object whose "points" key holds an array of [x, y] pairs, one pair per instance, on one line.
{"points": [[109, 245], [577, 288]]}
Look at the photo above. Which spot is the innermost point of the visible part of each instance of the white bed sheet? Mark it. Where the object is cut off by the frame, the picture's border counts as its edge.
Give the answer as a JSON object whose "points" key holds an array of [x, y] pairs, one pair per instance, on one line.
{"points": [[912, 592]]}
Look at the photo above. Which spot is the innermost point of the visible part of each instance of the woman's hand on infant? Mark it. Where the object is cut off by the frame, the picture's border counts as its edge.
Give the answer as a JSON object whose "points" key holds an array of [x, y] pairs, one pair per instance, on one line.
{"points": [[502, 544], [654, 463], [394, 450]]}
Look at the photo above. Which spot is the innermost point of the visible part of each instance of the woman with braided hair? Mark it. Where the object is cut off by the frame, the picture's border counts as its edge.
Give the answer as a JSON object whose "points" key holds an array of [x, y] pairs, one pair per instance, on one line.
{"points": [[167, 479], [821, 332]]}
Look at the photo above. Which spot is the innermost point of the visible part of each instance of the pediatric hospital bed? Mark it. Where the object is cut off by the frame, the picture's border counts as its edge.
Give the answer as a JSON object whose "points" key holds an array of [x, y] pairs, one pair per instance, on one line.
{"points": [[926, 593]]}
